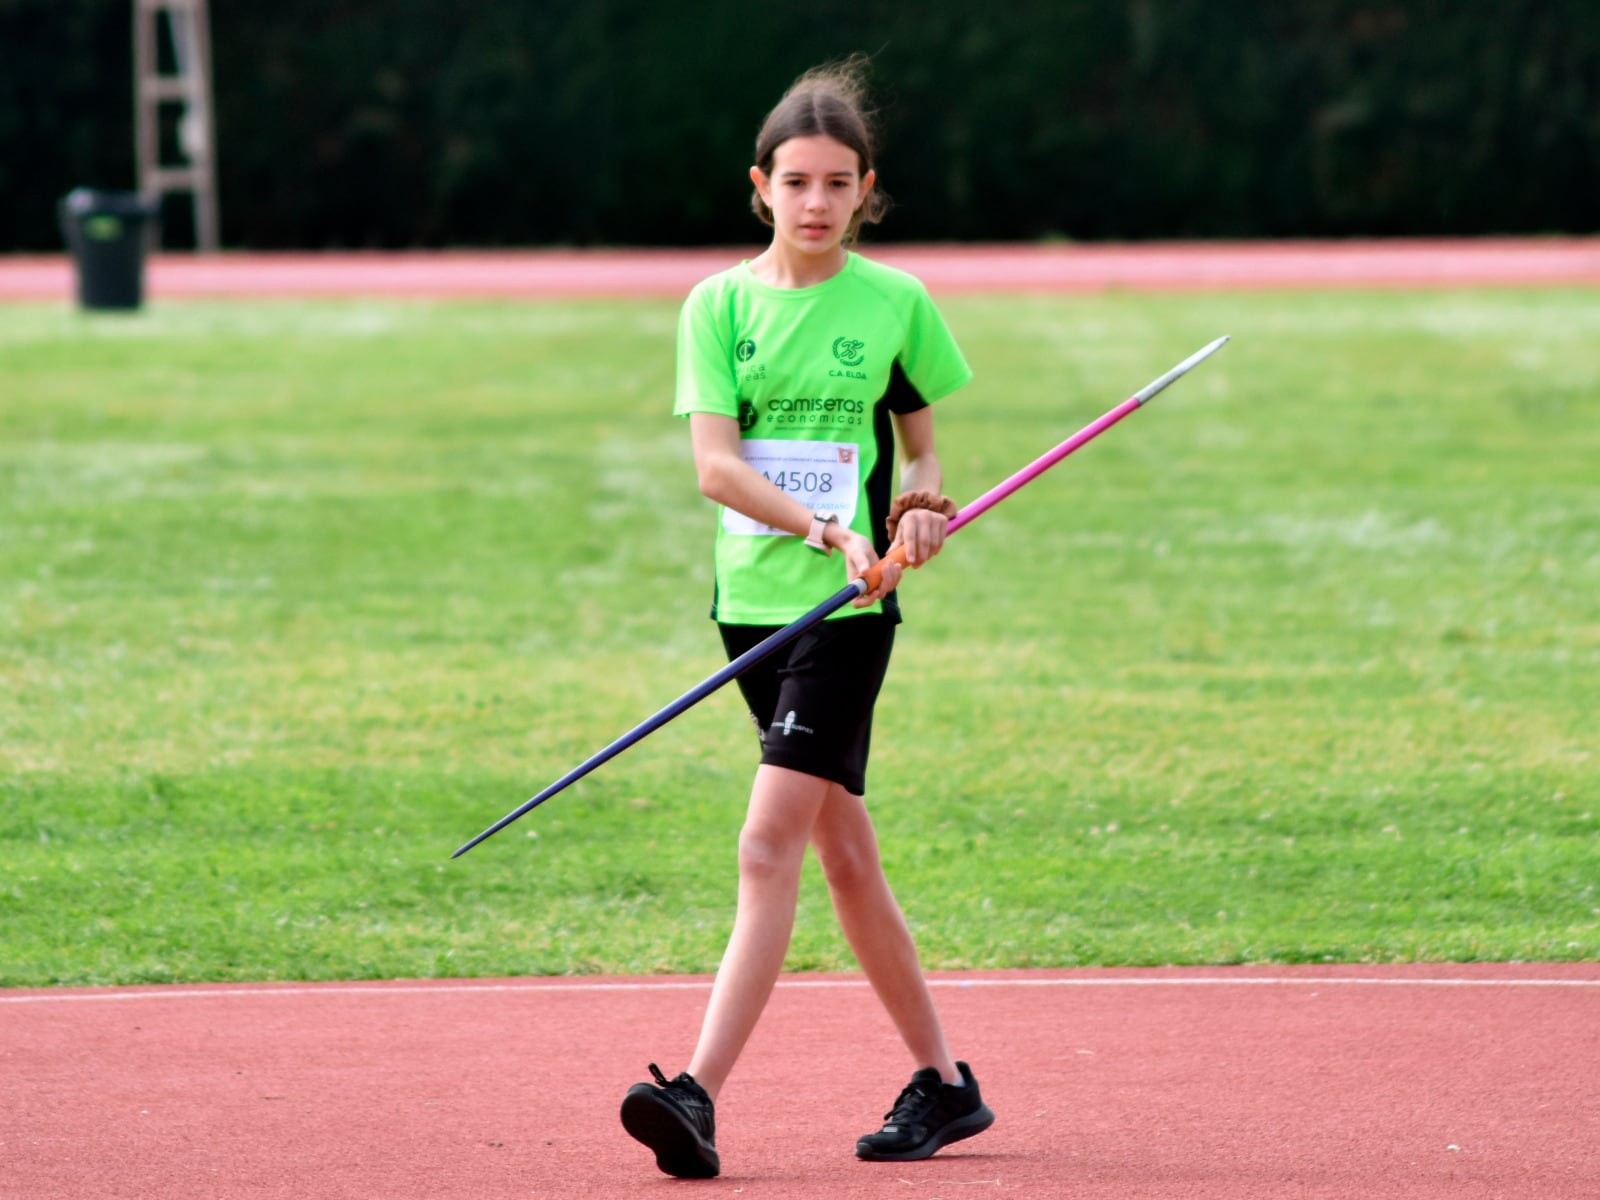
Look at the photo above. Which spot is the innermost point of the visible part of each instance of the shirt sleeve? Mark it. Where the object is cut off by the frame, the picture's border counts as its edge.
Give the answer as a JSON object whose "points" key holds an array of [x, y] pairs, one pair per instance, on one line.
{"points": [[933, 364], [705, 373]]}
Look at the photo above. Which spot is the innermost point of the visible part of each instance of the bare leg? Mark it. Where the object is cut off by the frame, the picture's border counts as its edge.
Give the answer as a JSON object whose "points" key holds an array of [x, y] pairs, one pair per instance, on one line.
{"points": [[772, 846], [876, 929]]}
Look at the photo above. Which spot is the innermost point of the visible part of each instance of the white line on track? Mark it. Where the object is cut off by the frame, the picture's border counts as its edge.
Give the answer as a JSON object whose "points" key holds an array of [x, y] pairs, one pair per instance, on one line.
{"points": [[670, 985]]}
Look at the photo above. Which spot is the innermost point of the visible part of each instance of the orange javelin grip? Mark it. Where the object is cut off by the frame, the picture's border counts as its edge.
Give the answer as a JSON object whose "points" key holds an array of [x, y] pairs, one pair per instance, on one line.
{"points": [[874, 574]]}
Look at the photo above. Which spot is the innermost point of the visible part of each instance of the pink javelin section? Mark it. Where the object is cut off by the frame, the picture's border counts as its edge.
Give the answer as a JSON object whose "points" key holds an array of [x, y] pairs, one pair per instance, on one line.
{"points": [[947, 269]]}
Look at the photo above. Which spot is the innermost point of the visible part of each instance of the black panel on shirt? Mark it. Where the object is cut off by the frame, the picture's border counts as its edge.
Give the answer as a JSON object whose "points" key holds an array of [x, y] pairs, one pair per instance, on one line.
{"points": [[902, 396]]}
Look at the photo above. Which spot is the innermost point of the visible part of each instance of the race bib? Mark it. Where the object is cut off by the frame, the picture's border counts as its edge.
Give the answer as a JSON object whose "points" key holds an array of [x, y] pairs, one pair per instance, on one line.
{"points": [[824, 476]]}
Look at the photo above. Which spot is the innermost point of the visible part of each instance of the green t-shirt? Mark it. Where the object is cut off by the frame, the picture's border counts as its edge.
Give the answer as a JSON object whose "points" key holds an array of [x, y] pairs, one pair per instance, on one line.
{"points": [[812, 376]]}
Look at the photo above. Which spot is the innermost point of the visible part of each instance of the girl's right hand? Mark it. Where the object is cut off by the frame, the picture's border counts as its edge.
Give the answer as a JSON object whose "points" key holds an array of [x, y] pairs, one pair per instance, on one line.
{"points": [[859, 555]]}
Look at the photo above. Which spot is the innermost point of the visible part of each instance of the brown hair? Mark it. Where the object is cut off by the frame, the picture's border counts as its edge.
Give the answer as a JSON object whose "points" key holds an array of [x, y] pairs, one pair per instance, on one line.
{"points": [[831, 101]]}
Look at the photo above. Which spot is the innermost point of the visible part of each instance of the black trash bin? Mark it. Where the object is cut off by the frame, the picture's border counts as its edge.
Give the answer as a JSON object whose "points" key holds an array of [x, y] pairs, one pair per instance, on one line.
{"points": [[106, 233]]}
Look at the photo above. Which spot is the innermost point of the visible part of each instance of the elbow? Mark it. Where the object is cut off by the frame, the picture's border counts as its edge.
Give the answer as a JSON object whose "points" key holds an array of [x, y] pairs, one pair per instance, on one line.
{"points": [[712, 477]]}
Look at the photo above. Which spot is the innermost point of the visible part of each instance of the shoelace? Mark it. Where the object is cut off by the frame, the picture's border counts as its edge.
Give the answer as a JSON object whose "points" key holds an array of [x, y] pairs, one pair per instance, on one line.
{"points": [[912, 1103], [695, 1103]]}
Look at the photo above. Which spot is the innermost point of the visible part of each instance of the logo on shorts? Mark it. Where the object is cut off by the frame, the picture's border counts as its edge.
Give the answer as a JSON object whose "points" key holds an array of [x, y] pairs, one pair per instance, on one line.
{"points": [[745, 350], [849, 351], [789, 725]]}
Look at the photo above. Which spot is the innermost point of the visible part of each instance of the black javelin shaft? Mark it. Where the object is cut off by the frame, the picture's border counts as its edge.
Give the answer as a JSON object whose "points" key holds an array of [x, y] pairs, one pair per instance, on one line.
{"points": [[855, 588]]}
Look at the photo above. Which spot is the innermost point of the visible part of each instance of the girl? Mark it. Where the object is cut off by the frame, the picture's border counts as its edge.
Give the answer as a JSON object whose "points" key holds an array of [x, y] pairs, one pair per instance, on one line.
{"points": [[798, 370]]}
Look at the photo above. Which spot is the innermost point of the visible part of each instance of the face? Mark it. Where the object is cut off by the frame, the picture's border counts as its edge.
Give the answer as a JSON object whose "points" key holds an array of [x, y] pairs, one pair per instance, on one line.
{"points": [[815, 187]]}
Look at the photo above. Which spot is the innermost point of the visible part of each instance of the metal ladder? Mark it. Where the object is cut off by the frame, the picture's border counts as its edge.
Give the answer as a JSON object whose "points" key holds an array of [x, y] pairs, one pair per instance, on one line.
{"points": [[189, 31]]}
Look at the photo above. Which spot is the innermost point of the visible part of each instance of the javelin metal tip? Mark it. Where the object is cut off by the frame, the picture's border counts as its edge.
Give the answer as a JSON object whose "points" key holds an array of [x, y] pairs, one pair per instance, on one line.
{"points": [[1199, 356]]}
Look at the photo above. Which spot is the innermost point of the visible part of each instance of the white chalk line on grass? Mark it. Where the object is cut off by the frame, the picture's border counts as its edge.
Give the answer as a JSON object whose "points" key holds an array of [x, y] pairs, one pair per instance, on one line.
{"points": [[554, 987]]}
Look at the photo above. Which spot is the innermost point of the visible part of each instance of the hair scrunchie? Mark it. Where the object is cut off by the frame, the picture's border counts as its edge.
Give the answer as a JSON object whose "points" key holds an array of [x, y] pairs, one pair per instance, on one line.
{"points": [[906, 501]]}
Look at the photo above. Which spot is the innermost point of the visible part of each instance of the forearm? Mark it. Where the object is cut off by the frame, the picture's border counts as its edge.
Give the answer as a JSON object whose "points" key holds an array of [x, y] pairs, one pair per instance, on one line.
{"points": [[726, 478], [737, 485], [922, 474], [919, 460], [919, 515]]}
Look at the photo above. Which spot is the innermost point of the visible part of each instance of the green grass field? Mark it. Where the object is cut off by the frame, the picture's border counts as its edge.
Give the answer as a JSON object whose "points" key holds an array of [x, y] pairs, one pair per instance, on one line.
{"points": [[1301, 664]]}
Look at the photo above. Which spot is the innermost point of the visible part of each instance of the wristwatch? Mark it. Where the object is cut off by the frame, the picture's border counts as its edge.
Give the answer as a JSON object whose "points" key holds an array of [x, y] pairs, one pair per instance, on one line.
{"points": [[819, 522]]}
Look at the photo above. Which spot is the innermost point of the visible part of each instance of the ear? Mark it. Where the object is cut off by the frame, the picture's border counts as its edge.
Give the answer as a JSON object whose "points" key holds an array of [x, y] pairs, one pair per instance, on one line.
{"points": [[867, 180], [763, 184]]}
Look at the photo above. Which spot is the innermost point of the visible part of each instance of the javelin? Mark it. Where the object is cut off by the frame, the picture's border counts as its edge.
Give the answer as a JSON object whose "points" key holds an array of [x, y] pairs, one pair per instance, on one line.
{"points": [[855, 588]]}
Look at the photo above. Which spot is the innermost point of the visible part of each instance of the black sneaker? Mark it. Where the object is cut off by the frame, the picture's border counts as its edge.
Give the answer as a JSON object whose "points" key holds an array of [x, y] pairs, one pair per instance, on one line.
{"points": [[675, 1120], [929, 1114]]}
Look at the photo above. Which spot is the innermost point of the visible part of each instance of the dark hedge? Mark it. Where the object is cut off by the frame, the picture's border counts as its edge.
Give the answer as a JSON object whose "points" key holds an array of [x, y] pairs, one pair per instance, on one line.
{"points": [[425, 123]]}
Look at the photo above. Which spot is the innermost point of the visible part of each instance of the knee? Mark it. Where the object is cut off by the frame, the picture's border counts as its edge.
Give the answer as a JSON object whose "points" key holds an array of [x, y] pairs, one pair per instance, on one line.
{"points": [[848, 866], [765, 855]]}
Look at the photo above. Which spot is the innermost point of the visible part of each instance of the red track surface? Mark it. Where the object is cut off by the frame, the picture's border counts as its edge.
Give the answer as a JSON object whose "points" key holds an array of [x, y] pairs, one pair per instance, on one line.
{"points": [[945, 269], [1417, 1083]]}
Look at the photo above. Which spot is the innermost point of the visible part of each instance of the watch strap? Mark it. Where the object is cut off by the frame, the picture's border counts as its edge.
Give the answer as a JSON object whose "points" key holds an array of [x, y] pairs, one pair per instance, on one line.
{"points": [[819, 523]]}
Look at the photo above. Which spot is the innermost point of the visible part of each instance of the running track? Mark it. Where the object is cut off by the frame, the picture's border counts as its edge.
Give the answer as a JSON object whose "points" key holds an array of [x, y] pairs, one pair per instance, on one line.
{"points": [[945, 269], [1417, 1082], [1341, 1083]]}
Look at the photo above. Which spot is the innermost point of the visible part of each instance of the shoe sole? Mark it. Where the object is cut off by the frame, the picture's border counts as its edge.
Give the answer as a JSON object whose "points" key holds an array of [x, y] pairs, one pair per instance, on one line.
{"points": [[964, 1127], [680, 1151]]}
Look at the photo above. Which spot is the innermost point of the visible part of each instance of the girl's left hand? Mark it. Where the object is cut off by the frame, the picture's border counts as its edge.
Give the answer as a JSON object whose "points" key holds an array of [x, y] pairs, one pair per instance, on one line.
{"points": [[922, 531]]}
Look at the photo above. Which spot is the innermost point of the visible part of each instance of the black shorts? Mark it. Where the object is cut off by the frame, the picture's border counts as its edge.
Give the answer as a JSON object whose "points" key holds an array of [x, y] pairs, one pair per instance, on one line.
{"points": [[812, 700]]}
